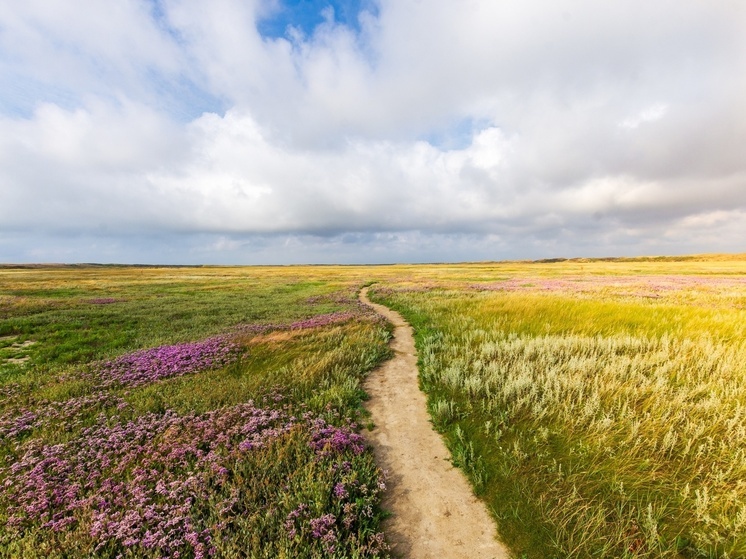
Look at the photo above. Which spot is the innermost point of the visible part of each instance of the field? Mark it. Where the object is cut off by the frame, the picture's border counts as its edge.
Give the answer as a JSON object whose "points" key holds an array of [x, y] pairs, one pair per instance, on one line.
{"points": [[598, 407], [185, 413]]}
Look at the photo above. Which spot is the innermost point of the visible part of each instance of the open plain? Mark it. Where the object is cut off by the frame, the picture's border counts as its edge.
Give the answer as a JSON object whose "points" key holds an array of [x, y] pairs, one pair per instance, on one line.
{"points": [[597, 407]]}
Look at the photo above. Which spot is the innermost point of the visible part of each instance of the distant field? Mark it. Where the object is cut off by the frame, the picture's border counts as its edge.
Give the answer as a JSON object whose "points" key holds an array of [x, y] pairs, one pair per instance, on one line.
{"points": [[598, 406]]}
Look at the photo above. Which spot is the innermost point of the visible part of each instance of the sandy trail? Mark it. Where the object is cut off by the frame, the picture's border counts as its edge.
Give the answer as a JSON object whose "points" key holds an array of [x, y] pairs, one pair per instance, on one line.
{"points": [[435, 513]]}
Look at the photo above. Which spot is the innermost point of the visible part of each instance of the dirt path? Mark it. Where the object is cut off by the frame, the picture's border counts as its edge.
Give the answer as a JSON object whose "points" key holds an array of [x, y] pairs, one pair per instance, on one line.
{"points": [[435, 513]]}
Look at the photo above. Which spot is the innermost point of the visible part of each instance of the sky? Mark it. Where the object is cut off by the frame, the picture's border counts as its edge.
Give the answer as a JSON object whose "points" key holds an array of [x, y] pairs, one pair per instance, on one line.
{"points": [[370, 131]]}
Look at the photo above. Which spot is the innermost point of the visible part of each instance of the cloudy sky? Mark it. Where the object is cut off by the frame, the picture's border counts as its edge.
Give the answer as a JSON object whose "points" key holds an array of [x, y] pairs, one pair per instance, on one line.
{"points": [[290, 131]]}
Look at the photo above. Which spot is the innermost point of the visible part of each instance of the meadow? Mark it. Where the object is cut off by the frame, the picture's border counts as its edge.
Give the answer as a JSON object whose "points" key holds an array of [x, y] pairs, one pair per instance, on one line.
{"points": [[598, 407], [153, 412]]}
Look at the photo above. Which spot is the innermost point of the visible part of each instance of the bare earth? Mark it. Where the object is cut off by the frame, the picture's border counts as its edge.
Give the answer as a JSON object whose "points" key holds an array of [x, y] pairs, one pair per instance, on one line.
{"points": [[435, 513]]}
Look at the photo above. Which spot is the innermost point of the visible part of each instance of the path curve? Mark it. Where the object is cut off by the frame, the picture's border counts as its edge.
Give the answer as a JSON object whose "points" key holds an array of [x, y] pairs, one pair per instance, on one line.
{"points": [[435, 513]]}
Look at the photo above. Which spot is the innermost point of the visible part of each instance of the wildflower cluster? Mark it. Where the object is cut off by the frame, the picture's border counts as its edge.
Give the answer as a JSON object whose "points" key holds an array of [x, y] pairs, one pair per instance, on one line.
{"points": [[136, 483], [149, 365], [322, 320], [143, 483], [107, 460], [313, 322], [351, 503], [15, 423], [328, 439], [631, 286], [146, 483], [96, 478]]}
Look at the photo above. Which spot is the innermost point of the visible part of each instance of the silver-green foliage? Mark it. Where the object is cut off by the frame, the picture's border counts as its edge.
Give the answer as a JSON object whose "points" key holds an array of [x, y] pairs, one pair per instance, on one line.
{"points": [[631, 445]]}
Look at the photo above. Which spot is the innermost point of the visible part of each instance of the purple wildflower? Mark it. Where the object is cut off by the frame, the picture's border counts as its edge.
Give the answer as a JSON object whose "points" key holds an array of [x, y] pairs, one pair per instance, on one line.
{"points": [[150, 365], [313, 322], [327, 439], [322, 528], [290, 521], [137, 481], [340, 492]]}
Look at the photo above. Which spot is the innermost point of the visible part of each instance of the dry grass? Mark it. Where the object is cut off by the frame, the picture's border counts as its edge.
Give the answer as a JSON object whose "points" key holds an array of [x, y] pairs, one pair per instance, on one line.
{"points": [[595, 420]]}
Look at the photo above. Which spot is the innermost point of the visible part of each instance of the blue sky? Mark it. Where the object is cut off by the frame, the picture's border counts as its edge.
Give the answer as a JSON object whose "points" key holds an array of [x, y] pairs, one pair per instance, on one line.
{"points": [[306, 15], [270, 131]]}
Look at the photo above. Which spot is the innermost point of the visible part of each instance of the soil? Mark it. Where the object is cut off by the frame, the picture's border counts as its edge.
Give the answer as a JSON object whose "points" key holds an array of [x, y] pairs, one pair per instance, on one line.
{"points": [[16, 346], [18, 360], [435, 514]]}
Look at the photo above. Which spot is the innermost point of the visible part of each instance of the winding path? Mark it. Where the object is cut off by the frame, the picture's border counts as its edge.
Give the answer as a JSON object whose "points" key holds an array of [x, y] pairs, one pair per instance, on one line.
{"points": [[435, 514]]}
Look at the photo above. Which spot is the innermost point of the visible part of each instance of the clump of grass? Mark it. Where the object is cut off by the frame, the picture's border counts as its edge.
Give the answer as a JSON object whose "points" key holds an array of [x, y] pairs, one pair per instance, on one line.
{"points": [[443, 412]]}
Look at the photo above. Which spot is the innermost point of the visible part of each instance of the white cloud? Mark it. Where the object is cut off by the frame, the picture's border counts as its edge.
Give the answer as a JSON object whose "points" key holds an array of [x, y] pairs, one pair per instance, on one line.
{"points": [[650, 114], [86, 48], [557, 123]]}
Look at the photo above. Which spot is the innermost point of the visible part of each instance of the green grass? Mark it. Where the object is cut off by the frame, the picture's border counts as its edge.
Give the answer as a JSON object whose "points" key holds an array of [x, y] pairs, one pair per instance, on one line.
{"points": [[153, 307], [595, 425], [313, 373]]}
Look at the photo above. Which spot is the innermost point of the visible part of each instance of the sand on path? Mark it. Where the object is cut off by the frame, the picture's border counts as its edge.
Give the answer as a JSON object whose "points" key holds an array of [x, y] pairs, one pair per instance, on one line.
{"points": [[435, 514]]}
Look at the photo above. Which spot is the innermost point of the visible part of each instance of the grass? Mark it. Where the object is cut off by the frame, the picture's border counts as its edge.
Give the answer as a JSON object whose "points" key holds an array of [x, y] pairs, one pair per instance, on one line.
{"points": [[597, 406], [80, 314], [598, 416], [255, 456]]}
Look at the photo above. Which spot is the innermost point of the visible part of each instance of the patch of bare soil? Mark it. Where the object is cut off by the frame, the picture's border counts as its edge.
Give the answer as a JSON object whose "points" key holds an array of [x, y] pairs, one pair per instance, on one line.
{"points": [[435, 513], [16, 347], [18, 360]]}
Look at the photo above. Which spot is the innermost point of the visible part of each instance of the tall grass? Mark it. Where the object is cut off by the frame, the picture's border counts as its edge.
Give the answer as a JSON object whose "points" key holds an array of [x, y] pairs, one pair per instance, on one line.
{"points": [[594, 426]]}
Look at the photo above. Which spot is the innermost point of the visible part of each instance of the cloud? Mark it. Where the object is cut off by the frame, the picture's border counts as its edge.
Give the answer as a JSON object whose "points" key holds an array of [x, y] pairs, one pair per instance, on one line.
{"points": [[650, 114], [465, 130]]}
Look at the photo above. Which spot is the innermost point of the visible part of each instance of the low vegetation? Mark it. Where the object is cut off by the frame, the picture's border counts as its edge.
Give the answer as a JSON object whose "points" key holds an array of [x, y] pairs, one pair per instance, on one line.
{"points": [[240, 442], [599, 416], [597, 406]]}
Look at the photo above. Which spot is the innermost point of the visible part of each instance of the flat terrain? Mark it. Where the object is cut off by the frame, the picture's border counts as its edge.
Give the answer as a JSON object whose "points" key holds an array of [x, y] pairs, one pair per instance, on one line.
{"points": [[186, 413], [595, 406], [598, 408], [434, 511]]}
